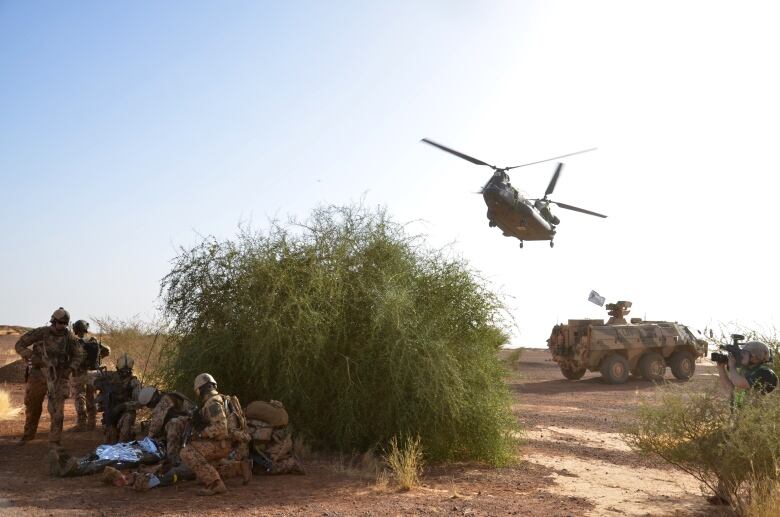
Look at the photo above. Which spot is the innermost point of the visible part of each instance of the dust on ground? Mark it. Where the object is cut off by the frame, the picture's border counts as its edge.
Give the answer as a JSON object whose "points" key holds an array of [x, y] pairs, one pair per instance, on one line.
{"points": [[573, 462]]}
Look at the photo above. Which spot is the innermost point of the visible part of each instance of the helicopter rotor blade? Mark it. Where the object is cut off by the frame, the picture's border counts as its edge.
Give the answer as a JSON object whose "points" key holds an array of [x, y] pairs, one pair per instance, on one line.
{"points": [[458, 154], [553, 180], [553, 158], [577, 209]]}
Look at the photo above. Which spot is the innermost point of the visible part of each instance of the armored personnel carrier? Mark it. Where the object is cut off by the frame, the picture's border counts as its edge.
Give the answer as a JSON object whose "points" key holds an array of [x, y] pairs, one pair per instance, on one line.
{"points": [[618, 348]]}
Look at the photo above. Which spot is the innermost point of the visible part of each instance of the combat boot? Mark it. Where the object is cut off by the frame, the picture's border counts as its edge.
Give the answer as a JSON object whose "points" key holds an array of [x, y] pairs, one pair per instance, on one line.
{"points": [[23, 440], [217, 487], [80, 427]]}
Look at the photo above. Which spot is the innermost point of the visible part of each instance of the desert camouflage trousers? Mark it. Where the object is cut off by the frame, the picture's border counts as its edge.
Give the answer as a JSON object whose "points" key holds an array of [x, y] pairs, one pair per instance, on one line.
{"points": [[174, 432], [83, 394], [201, 456], [34, 393]]}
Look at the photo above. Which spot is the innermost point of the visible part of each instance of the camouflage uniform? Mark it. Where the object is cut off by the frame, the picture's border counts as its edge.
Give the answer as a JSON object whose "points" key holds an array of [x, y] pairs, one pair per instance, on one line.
{"points": [[64, 354], [210, 445], [82, 391], [169, 419]]}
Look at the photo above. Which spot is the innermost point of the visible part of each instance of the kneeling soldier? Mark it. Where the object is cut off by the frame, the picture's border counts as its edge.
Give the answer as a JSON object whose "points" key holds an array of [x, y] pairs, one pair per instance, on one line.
{"points": [[211, 440], [170, 416]]}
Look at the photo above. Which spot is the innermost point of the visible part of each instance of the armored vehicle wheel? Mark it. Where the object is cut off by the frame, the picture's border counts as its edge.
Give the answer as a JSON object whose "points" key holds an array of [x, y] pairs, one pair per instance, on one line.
{"points": [[572, 375], [683, 365], [615, 369], [652, 367]]}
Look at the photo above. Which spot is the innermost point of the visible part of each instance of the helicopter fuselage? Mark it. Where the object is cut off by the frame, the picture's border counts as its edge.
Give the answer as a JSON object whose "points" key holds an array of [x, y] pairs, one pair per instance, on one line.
{"points": [[515, 215]]}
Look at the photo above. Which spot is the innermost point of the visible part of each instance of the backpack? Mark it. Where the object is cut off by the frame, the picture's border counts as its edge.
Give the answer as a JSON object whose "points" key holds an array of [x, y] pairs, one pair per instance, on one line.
{"points": [[236, 421]]}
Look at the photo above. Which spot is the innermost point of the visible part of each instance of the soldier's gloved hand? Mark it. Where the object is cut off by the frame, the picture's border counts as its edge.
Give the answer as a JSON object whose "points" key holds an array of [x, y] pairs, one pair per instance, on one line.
{"points": [[26, 354]]}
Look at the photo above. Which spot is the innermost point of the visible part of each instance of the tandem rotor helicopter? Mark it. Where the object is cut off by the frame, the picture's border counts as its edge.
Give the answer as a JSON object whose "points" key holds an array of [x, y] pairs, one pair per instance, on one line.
{"points": [[517, 216]]}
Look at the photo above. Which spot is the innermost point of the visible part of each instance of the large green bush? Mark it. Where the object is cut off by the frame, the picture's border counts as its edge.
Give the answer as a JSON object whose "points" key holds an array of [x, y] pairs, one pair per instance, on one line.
{"points": [[357, 327]]}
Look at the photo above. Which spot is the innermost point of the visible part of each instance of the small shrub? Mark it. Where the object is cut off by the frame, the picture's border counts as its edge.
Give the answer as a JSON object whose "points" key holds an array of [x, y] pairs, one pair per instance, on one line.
{"points": [[766, 499], [7, 410], [143, 341], [405, 461], [733, 452]]}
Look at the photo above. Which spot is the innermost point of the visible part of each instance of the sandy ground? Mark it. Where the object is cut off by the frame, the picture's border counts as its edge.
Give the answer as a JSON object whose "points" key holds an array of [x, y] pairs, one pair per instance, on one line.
{"points": [[573, 462]]}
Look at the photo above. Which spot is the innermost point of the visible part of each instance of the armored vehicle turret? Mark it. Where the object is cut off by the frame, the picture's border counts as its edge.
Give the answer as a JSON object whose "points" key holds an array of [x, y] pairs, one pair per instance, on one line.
{"points": [[618, 347]]}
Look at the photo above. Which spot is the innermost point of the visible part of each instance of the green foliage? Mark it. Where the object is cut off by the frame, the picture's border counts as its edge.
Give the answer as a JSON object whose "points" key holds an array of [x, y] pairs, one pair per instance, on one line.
{"points": [[359, 329], [731, 451]]}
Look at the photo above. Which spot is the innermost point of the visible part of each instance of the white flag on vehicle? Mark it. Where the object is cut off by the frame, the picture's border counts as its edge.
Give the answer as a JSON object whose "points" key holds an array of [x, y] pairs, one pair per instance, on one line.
{"points": [[596, 298]]}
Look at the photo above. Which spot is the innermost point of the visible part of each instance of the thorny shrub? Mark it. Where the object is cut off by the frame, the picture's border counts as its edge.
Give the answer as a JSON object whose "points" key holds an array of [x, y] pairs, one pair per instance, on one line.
{"points": [[362, 332], [731, 451], [143, 341]]}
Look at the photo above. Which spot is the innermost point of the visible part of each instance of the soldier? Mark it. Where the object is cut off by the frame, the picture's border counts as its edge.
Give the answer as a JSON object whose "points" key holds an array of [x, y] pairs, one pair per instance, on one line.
{"points": [[211, 441], [119, 392], [170, 416], [752, 372], [82, 391], [52, 354]]}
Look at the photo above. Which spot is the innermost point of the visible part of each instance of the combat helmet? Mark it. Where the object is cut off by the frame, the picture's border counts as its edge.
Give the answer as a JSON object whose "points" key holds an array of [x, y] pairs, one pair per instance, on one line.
{"points": [[146, 395], [80, 326], [757, 349], [124, 361], [203, 379], [61, 316]]}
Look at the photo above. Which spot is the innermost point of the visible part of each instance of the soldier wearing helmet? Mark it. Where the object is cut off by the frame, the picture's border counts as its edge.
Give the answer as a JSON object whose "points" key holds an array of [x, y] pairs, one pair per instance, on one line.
{"points": [[52, 354], [82, 391], [170, 415], [119, 392], [752, 372], [211, 440]]}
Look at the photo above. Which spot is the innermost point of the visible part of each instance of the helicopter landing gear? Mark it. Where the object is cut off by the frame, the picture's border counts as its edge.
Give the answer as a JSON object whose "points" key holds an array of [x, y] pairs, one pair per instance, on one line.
{"points": [[552, 244], [521, 244]]}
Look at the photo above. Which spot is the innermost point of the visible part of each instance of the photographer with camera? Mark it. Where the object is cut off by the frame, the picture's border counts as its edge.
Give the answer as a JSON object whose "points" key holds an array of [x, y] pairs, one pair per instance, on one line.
{"points": [[745, 368]]}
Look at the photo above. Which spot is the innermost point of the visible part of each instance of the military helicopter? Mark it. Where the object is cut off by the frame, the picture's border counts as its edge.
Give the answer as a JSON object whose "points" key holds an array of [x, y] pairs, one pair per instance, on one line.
{"points": [[517, 216]]}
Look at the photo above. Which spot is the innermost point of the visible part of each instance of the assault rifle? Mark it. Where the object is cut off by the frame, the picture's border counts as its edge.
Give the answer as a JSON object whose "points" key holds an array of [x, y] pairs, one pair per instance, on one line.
{"points": [[195, 423]]}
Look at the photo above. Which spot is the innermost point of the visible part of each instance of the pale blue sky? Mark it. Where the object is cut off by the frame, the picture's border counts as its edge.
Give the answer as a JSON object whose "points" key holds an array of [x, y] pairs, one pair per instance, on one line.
{"points": [[128, 129]]}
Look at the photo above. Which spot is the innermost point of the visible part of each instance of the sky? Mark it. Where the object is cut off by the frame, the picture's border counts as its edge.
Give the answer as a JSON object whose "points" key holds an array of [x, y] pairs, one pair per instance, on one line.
{"points": [[131, 129]]}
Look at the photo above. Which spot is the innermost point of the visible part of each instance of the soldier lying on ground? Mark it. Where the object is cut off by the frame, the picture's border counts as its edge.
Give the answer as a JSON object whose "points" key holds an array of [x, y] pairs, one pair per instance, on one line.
{"points": [[118, 398], [55, 354], [170, 416], [82, 391]]}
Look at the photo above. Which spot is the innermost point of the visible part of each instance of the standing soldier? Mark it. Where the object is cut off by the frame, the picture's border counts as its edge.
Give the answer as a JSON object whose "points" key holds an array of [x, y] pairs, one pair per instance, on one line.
{"points": [[170, 416], [52, 353], [82, 391], [211, 441]]}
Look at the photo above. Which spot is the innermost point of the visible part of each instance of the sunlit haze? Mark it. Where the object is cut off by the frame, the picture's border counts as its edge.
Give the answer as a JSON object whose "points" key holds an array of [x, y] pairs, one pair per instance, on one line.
{"points": [[129, 129]]}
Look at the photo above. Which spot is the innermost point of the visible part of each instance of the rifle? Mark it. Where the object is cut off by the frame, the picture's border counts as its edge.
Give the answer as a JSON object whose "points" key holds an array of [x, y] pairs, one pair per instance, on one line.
{"points": [[105, 384], [194, 423]]}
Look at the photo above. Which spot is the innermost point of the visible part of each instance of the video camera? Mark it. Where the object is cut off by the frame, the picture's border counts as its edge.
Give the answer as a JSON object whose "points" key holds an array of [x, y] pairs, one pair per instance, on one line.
{"points": [[732, 349]]}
